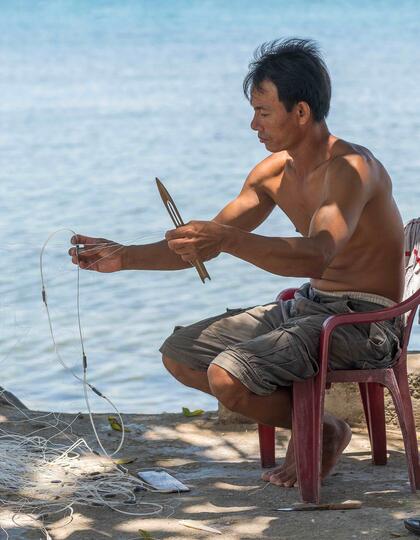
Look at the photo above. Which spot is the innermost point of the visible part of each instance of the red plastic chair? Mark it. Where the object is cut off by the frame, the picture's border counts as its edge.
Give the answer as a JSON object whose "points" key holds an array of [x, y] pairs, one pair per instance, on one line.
{"points": [[308, 403]]}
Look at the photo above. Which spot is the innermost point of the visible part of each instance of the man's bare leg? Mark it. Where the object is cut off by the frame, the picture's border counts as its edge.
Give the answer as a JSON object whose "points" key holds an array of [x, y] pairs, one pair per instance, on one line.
{"points": [[190, 377], [335, 438], [273, 410]]}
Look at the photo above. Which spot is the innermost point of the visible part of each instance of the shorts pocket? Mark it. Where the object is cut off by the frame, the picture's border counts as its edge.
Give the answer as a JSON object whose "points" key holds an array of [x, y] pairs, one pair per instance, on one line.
{"points": [[378, 336], [383, 343]]}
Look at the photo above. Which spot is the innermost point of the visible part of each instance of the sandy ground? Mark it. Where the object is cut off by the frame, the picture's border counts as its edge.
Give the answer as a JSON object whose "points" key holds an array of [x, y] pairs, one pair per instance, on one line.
{"points": [[221, 465]]}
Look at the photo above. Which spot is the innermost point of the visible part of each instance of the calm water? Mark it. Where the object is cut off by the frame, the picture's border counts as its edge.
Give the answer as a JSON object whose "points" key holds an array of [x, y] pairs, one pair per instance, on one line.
{"points": [[98, 98]]}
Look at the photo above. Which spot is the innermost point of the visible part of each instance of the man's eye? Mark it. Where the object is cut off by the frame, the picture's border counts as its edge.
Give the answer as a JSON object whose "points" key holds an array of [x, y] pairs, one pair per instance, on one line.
{"points": [[264, 115]]}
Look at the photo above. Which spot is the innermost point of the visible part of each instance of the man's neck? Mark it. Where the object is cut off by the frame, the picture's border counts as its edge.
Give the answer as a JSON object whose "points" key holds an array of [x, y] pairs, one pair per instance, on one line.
{"points": [[313, 150]]}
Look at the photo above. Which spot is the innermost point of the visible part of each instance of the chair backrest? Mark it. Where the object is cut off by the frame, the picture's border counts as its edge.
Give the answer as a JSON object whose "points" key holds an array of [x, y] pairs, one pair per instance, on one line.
{"points": [[412, 258]]}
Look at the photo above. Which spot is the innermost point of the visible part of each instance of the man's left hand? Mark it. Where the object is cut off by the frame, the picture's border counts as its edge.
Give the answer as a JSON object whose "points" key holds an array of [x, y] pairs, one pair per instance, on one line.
{"points": [[197, 240]]}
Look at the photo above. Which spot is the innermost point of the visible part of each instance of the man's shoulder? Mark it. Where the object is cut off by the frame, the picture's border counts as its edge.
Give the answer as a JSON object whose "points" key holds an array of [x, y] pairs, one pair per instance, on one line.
{"points": [[353, 166], [270, 167], [346, 155]]}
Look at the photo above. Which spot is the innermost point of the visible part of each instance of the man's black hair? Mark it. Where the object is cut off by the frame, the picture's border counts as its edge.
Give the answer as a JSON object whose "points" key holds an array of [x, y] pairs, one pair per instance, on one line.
{"points": [[297, 69]]}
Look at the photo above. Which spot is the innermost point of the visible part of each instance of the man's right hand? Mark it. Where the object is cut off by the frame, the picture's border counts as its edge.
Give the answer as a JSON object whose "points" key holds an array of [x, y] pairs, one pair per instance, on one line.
{"points": [[97, 254]]}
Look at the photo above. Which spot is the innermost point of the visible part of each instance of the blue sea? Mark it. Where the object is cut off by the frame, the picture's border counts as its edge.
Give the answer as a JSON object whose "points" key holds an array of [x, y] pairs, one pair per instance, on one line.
{"points": [[99, 97]]}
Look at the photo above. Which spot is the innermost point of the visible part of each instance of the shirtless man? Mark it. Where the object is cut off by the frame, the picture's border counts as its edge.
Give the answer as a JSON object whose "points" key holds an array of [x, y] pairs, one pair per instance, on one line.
{"points": [[339, 197]]}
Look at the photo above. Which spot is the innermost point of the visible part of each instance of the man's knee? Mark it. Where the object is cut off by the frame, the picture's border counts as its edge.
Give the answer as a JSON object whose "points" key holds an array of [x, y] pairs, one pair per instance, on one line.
{"points": [[175, 368], [227, 388], [181, 372]]}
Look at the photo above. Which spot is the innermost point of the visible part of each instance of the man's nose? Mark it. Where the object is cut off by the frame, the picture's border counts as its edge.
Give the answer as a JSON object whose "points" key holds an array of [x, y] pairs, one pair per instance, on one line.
{"points": [[254, 125]]}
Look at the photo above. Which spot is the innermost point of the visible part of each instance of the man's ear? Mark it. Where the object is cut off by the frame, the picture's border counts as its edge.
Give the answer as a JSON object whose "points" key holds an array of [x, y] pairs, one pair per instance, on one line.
{"points": [[303, 113]]}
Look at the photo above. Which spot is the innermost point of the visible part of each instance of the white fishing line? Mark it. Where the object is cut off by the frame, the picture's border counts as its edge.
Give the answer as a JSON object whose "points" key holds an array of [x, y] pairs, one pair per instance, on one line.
{"points": [[147, 236], [150, 237], [86, 384], [42, 477]]}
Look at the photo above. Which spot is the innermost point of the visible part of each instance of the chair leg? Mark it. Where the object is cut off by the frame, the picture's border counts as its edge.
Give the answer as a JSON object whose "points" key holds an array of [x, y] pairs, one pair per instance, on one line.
{"points": [[402, 401], [307, 437], [267, 445], [373, 405]]}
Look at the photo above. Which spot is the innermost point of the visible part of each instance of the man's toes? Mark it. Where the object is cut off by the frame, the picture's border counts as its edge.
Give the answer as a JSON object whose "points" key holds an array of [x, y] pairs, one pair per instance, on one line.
{"points": [[276, 479], [266, 476], [286, 478], [290, 483]]}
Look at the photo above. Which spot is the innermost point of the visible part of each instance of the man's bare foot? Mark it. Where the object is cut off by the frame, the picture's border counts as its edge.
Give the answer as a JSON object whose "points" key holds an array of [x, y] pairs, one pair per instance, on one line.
{"points": [[336, 437]]}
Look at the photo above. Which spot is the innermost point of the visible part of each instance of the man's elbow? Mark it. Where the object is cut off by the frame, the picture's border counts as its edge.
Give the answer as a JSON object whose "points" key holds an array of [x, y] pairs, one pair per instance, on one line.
{"points": [[311, 266], [320, 261]]}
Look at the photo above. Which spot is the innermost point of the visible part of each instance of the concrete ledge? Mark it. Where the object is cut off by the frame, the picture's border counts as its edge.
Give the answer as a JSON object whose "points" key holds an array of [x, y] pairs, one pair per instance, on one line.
{"points": [[343, 400]]}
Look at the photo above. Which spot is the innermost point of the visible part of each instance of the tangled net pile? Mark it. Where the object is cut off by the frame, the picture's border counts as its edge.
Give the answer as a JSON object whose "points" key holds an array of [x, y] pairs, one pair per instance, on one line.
{"points": [[45, 473], [42, 478]]}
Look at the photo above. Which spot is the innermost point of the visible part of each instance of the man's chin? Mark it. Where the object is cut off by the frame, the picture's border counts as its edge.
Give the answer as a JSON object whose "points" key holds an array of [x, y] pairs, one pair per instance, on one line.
{"points": [[272, 147]]}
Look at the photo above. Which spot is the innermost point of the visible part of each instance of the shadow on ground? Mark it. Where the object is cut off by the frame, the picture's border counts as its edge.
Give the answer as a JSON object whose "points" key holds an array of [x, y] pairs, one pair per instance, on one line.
{"points": [[220, 463]]}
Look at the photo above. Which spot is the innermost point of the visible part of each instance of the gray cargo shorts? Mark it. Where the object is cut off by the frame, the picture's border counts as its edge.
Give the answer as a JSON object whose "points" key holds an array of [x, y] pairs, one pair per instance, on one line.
{"points": [[275, 344]]}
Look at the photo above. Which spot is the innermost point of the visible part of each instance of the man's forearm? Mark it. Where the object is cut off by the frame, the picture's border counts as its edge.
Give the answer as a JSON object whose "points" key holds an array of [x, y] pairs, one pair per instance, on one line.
{"points": [[155, 256], [298, 257]]}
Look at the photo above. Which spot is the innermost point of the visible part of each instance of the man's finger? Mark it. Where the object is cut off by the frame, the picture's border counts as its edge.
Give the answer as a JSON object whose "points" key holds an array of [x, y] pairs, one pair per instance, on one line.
{"points": [[80, 239], [75, 253], [179, 243], [80, 260], [188, 258], [88, 257], [170, 235], [185, 251], [180, 232], [92, 250], [89, 265]]}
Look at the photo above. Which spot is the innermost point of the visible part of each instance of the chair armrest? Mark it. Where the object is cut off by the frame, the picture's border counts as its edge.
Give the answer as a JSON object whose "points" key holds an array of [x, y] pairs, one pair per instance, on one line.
{"points": [[371, 316], [287, 294], [331, 323]]}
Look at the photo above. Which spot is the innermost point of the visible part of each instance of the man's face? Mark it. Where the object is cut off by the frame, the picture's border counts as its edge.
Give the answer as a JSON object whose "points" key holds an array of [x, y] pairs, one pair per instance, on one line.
{"points": [[276, 127]]}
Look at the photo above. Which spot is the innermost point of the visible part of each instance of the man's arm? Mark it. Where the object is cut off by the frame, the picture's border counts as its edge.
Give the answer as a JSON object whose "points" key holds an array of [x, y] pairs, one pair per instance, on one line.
{"points": [[250, 208], [347, 190]]}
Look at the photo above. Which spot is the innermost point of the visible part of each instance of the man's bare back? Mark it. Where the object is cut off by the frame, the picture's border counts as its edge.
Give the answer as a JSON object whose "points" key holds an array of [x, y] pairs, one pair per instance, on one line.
{"points": [[372, 259]]}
